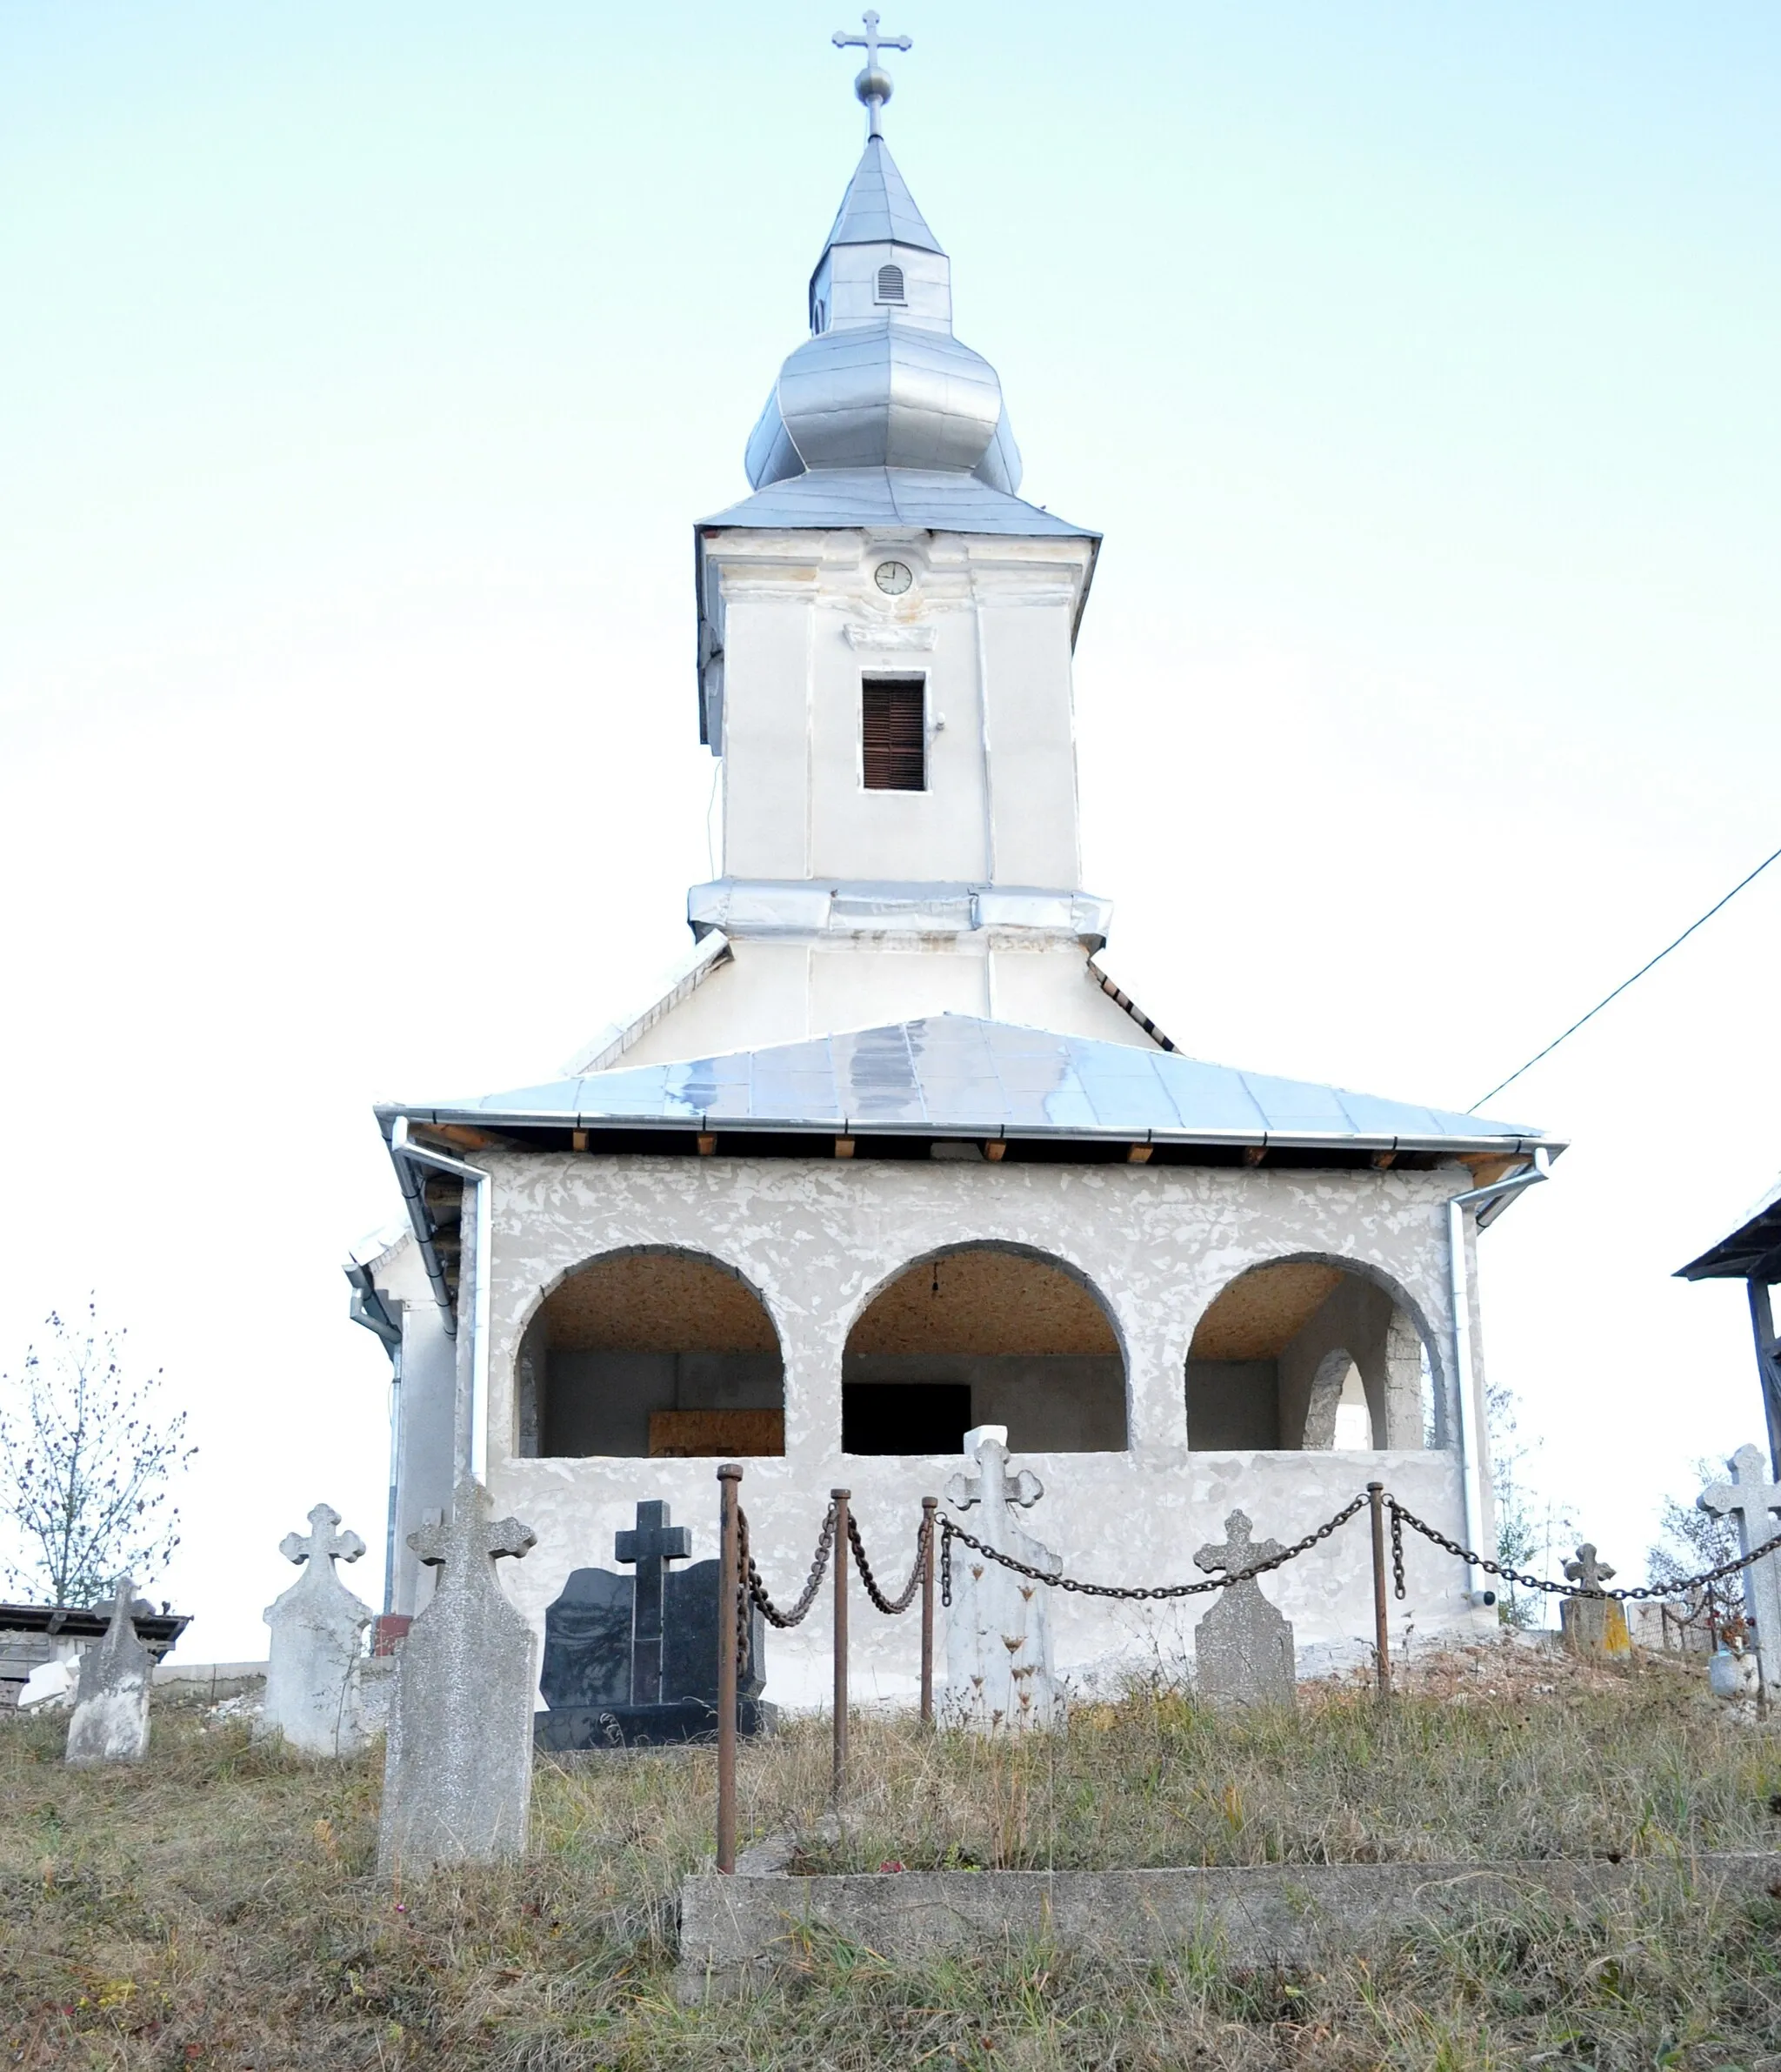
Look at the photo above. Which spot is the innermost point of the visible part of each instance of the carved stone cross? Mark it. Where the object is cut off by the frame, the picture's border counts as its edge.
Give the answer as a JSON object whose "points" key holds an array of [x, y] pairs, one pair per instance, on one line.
{"points": [[992, 1486], [998, 1632], [1588, 1571], [1243, 1647], [1752, 1500], [312, 1672], [1240, 1551], [466, 1543], [457, 1762], [320, 1543], [1593, 1623], [651, 1544]]}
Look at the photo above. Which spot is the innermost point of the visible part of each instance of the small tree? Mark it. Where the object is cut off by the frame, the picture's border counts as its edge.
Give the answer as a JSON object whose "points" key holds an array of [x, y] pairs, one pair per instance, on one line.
{"points": [[1528, 1525], [1689, 1542], [87, 1458]]}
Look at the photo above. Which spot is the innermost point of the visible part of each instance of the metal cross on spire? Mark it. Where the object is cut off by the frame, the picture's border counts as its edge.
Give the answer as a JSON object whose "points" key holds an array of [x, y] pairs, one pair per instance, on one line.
{"points": [[873, 85]]}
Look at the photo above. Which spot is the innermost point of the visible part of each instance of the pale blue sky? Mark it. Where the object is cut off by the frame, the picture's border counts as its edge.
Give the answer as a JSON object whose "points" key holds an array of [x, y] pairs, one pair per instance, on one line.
{"points": [[363, 371]]}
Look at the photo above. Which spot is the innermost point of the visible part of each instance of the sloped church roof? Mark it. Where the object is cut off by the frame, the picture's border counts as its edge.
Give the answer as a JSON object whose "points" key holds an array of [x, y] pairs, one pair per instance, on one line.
{"points": [[957, 1075]]}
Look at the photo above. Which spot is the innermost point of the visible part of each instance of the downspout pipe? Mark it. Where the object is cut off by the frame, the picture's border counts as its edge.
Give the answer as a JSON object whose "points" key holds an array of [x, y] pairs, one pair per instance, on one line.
{"points": [[1459, 1286], [408, 1155]]}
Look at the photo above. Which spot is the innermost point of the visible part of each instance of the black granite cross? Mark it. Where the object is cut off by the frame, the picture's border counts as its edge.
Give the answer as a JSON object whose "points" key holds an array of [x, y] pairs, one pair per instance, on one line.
{"points": [[651, 1544]]}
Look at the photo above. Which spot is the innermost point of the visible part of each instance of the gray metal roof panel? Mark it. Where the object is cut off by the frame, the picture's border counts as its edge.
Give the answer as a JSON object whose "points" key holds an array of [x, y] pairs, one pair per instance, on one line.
{"points": [[878, 209], [931, 499], [961, 1075]]}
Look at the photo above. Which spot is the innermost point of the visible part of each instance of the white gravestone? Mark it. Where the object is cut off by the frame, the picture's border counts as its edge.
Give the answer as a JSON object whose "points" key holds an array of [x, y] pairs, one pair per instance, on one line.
{"points": [[110, 1722], [998, 1629], [1752, 1500], [457, 1766], [1243, 1647], [312, 1674]]}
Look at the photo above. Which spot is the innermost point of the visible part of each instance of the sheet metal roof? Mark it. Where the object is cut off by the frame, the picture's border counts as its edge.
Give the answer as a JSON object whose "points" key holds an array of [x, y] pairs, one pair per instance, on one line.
{"points": [[955, 1075], [877, 208], [1752, 1251], [933, 499]]}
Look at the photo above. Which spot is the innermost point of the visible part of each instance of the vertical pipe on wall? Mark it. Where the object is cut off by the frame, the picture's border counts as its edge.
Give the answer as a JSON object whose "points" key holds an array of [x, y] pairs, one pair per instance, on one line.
{"points": [[1459, 1286], [473, 1458]]}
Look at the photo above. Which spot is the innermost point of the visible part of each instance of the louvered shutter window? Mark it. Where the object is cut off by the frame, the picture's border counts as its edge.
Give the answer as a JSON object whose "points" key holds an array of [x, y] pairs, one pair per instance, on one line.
{"points": [[889, 284], [894, 734]]}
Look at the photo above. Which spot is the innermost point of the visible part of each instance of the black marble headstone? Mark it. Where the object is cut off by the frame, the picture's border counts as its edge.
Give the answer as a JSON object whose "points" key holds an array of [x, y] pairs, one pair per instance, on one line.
{"points": [[625, 1667]]}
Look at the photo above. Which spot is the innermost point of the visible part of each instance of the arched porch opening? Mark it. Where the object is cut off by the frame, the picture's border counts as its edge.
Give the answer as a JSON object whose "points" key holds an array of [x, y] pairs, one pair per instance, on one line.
{"points": [[1304, 1354], [649, 1352], [984, 1334]]}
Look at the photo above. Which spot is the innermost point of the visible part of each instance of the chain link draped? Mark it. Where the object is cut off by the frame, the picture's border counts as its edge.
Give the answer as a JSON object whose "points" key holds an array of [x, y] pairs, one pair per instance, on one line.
{"points": [[891, 1606], [1401, 1517], [753, 1587], [1127, 1593]]}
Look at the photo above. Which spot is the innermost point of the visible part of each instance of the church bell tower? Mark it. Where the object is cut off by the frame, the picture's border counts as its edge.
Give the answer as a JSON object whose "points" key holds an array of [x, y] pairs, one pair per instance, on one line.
{"points": [[886, 634]]}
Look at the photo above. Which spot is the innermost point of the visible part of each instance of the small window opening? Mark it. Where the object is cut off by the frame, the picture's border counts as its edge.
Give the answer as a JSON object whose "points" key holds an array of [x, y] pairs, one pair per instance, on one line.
{"points": [[893, 734], [890, 284]]}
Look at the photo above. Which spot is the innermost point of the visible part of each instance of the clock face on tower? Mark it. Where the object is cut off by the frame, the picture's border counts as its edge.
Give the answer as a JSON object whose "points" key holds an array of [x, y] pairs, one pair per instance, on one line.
{"points": [[892, 577]]}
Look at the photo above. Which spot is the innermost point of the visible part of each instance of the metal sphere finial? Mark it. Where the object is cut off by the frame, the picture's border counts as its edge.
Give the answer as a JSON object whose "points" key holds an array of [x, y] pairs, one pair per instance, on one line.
{"points": [[873, 85]]}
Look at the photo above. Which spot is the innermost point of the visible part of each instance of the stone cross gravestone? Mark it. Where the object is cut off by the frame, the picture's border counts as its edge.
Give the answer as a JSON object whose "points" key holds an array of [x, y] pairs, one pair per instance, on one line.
{"points": [[1753, 1501], [457, 1766], [632, 1660], [312, 1674], [1594, 1625], [1243, 1648], [998, 1627], [110, 1721]]}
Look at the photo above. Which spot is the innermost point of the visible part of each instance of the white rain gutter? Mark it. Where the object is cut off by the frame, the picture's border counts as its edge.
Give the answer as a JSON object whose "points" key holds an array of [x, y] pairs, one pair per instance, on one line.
{"points": [[1459, 1285], [408, 1154]]}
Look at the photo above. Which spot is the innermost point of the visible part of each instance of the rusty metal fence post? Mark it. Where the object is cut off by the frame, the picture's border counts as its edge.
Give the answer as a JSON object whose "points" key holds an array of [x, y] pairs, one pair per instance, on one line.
{"points": [[929, 1532], [1382, 1635], [730, 1617], [841, 1498]]}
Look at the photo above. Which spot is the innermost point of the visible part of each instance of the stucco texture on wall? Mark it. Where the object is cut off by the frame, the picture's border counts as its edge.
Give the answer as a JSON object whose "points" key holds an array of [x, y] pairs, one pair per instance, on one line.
{"points": [[819, 1239]]}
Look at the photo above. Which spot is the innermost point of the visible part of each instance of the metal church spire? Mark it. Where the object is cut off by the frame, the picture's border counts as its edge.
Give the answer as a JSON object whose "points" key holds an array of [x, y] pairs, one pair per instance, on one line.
{"points": [[873, 85]]}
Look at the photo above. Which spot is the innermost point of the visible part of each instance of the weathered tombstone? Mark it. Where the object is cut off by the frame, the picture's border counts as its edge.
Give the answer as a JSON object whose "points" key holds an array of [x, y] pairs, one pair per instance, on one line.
{"points": [[999, 1628], [1592, 1624], [312, 1675], [631, 1661], [1752, 1500], [457, 1766], [110, 1722], [1243, 1648]]}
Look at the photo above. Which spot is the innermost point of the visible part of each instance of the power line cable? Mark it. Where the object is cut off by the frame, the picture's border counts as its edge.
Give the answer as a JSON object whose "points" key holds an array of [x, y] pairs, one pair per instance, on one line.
{"points": [[1624, 983]]}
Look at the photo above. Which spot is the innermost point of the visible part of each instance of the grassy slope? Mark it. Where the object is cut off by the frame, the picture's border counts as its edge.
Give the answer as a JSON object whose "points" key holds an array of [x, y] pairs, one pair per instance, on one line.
{"points": [[217, 1906]]}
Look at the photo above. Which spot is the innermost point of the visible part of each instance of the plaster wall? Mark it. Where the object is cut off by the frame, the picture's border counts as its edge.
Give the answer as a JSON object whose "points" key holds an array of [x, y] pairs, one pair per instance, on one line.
{"points": [[988, 625], [783, 991], [817, 1239], [1355, 1318]]}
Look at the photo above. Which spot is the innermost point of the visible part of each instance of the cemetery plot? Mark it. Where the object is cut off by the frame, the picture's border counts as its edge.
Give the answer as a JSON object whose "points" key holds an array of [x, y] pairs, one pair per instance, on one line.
{"points": [[221, 1898]]}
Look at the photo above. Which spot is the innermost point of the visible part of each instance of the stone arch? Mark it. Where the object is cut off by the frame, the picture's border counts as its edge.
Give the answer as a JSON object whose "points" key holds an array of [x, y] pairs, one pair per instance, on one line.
{"points": [[984, 1333], [650, 1350], [1263, 1371]]}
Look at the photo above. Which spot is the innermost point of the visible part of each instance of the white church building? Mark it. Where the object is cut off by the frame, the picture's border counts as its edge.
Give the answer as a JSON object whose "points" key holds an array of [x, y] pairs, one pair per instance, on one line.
{"points": [[891, 1156]]}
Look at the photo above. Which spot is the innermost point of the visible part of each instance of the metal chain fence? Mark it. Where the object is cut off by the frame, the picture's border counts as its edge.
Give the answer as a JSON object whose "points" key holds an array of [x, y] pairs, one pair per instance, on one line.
{"points": [[1127, 1593], [891, 1606], [1402, 1517], [753, 1587]]}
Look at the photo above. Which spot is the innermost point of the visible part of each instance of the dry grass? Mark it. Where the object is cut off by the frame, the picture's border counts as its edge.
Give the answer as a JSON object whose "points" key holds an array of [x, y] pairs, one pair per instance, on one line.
{"points": [[217, 1906]]}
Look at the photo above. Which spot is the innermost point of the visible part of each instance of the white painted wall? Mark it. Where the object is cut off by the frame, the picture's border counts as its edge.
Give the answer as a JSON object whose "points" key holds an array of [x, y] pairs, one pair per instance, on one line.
{"points": [[987, 623], [817, 1239]]}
